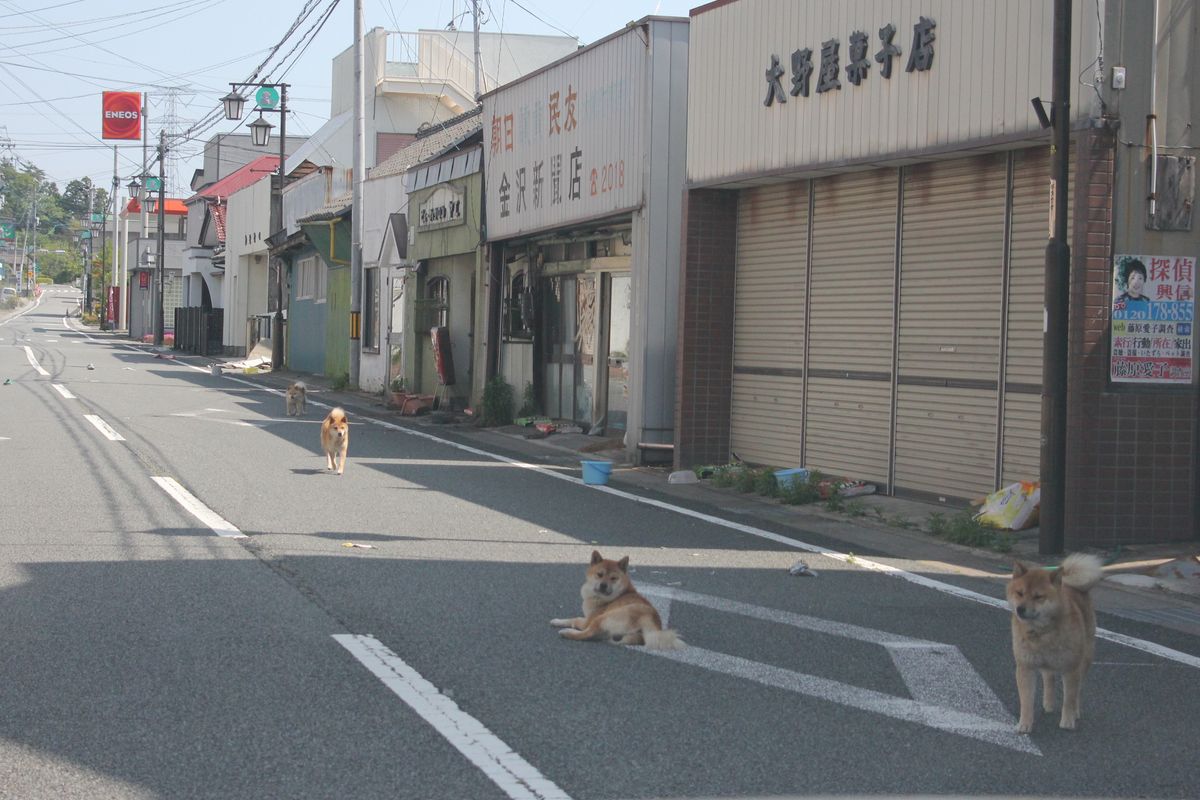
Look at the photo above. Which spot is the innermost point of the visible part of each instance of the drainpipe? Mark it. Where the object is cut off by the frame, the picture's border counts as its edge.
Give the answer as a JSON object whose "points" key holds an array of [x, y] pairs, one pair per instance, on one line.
{"points": [[1151, 118]]}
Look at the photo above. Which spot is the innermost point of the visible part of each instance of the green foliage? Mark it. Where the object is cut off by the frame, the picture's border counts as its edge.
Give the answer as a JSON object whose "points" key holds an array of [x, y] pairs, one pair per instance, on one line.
{"points": [[856, 508], [497, 403], [802, 493], [963, 528], [765, 483], [724, 476], [340, 382], [746, 480], [529, 403]]}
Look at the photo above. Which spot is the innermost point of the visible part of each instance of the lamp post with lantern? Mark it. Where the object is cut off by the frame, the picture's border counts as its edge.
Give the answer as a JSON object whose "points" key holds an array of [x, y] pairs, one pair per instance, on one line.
{"points": [[269, 97]]}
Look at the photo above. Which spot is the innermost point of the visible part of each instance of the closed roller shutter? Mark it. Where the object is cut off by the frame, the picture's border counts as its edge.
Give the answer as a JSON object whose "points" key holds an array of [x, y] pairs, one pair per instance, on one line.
{"points": [[948, 356], [850, 330], [768, 341], [1022, 421]]}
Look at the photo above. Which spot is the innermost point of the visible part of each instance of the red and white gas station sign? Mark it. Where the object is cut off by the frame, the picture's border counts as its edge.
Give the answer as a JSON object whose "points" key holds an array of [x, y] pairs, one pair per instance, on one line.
{"points": [[122, 115]]}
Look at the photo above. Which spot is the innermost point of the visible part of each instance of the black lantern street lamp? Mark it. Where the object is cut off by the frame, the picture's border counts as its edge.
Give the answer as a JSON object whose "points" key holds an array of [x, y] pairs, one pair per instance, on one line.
{"points": [[270, 97]]}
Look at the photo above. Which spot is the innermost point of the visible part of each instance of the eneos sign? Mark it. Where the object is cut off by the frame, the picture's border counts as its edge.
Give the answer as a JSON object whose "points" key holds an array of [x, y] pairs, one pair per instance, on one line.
{"points": [[122, 115]]}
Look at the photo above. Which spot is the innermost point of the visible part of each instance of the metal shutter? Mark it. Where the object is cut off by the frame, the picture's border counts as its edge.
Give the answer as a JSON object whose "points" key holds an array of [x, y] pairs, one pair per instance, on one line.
{"points": [[951, 294], [849, 398], [768, 340]]}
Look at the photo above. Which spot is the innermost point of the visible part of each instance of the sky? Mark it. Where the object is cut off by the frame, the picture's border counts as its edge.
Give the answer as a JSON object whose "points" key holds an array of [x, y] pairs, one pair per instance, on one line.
{"points": [[57, 56]]}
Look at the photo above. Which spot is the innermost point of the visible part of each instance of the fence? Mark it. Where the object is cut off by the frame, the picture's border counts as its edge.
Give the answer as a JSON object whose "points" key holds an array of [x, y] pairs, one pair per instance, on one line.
{"points": [[198, 330]]}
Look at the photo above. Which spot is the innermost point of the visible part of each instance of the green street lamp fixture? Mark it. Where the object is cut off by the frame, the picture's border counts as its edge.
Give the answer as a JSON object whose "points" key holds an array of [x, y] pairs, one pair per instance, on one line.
{"points": [[268, 98]]}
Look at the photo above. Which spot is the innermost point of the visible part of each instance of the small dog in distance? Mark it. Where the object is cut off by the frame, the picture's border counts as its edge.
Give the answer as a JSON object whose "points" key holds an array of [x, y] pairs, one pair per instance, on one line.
{"points": [[296, 397], [335, 439]]}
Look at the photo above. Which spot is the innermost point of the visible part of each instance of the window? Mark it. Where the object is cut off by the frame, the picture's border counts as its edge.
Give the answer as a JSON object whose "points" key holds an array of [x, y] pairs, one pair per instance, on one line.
{"points": [[433, 309], [370, 316], [306, 279], [322, 280], [518, 315]]}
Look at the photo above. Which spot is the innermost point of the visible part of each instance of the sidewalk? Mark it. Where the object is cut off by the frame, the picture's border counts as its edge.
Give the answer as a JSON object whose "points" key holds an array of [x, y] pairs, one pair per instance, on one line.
{"points": [[1149, 583]]}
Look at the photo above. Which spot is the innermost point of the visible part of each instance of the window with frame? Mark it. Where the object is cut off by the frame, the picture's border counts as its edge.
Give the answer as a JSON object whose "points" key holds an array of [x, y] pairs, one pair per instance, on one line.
{"points": [[306, 280], [518, 314], [370, 317], [434, 307], [321, 282]]}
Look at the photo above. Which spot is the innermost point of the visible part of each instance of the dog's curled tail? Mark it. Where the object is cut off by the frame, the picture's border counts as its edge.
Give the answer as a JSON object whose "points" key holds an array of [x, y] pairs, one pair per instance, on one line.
{"points": [[662, 640], [1082, 571]]}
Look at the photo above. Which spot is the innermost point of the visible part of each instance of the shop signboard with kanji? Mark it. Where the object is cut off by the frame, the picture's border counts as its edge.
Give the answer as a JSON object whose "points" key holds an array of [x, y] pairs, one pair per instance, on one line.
{"points": [[567, 144]]}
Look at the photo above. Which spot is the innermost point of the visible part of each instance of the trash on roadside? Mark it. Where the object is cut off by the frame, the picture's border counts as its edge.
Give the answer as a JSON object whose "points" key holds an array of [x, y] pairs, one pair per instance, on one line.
{"points": [[167, 357], [91, 366], [356, 544], [802, 569], [525, 422], [544, 427], [7, 381], [1013, 508], [215, 369], [567, 427], [683, 476], [844, 487], [785, 478]]}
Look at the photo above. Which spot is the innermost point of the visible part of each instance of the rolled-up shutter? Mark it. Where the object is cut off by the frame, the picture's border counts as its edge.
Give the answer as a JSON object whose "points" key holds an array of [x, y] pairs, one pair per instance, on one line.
{"points": [[768, 341], [850, 332], [951, 295]]}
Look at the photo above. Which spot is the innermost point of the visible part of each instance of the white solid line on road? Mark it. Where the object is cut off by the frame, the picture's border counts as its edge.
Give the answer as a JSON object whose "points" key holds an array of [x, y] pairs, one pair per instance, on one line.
{"points": [[64, 391], [1143, 645], [515, 776], [210, 518], [104, 428], [33, 362]]}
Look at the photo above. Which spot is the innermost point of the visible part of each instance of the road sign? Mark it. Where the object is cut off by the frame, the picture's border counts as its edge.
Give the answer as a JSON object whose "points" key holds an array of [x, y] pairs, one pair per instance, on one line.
{"points": [[267, 97], [97, 216], [153, 184], [8, 230]]}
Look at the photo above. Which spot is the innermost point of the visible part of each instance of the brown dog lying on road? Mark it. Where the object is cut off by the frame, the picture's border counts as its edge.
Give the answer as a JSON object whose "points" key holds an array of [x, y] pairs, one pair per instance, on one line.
{"points": [[613, 610]]}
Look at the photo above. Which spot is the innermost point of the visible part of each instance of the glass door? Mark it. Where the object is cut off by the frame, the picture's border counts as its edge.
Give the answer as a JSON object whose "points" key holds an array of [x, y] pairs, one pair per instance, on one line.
{"points": [[618, 303]]}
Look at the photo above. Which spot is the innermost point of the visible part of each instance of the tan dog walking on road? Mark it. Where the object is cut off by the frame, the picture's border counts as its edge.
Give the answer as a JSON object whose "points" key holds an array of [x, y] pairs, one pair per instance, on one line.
{"points": [[296, 399], [1054, 632], [335, 439], [614, 611]]}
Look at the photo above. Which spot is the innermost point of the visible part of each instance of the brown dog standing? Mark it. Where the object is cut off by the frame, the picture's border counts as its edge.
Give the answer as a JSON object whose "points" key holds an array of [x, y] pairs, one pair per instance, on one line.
{"points": [[295, 399], [613, 610], [1053, 631], [335, 439]]}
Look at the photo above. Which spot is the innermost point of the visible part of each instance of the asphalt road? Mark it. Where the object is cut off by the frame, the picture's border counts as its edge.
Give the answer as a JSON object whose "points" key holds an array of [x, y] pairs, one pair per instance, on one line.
{"points": [[180, 617]]}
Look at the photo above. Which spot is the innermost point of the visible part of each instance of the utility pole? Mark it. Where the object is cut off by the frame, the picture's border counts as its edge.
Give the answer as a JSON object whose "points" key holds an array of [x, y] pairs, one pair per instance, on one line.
{"points": [[1057, 302], [116, 241], [277, 225], [162, 242], [103, 264], [87, 272], [356, 207], [478, 56]]}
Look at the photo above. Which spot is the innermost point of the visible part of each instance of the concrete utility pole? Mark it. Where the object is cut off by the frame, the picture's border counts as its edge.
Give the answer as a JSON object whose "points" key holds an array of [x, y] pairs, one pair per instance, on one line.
{"points": [[87, 272], [478, 56], [1057, 302], [116, 241], [162, 243], [356, 203]]}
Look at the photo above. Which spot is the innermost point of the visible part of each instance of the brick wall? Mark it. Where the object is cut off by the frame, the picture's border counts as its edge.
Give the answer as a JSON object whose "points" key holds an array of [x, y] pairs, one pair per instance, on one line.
{"points": [[1131, 451], [704, 367]]}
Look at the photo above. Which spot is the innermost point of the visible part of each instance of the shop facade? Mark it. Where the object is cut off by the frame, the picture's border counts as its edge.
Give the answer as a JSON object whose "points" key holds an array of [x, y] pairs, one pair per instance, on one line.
{"points": [[583, 178], [867, 215]]}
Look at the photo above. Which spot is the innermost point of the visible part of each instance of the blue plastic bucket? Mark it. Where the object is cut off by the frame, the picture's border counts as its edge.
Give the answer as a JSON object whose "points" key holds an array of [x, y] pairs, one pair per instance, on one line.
{"points": [[596, 472], [785, 478]]}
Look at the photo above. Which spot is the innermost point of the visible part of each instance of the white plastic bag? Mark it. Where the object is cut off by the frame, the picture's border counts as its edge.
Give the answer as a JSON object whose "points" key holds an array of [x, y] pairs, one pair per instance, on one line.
{"points": [[1013, 508]]}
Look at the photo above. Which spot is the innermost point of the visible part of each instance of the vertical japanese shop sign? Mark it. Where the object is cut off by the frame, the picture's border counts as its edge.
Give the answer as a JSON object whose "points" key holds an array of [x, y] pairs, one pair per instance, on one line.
{"points": [[1153, 314]]}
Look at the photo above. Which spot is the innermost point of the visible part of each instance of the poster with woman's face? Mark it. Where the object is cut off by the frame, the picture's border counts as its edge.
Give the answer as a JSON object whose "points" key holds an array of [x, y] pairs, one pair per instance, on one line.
{"points": [[1153, 310]]}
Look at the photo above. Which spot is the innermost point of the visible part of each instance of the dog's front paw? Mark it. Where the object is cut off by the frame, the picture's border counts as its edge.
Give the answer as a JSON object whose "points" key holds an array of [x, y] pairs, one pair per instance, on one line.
{"points": [[561, 623], [1067, 724], [1025, 726]]}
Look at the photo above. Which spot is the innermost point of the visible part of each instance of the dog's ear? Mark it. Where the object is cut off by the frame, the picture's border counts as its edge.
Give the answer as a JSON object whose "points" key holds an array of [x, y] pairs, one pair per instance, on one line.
{"points": [[596, 557], [1019, 569], [624, 564]]}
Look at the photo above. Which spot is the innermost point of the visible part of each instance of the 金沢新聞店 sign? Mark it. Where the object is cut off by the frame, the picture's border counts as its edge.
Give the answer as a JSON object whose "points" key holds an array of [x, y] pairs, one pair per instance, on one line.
{"points": [[122, 115], [1153, 313]]}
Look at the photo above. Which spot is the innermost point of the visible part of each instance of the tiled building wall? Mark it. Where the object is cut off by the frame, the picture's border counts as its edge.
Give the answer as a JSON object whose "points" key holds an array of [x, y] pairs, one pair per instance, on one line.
{"points": [[704, 367], [1131, 451]]}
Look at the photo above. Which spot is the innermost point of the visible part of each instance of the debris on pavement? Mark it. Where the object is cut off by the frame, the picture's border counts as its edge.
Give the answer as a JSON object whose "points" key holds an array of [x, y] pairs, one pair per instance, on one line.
{"points": [[356, 544], [683, 476], [91, 366], [802, 569]]}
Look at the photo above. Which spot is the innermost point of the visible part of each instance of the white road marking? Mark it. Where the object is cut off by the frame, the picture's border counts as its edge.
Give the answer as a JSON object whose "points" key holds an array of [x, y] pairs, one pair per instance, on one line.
{"points": [[1143, 645], [33, 362], [946, 693], [64, 391], [104, 428], [210, 518], [515, 776]]}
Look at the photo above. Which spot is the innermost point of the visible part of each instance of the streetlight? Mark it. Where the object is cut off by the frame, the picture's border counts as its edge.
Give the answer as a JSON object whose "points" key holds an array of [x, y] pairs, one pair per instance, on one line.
{"points": [[270, 97]]}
